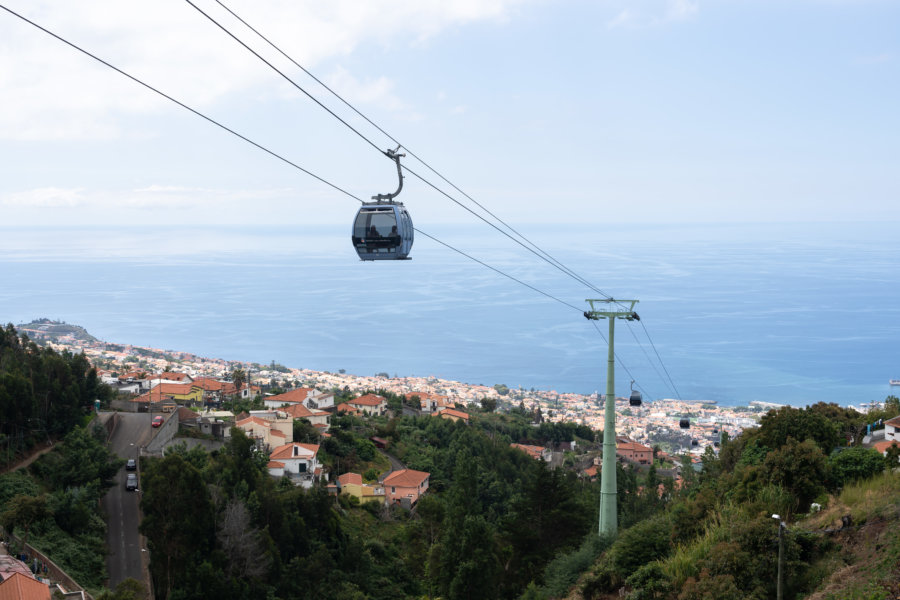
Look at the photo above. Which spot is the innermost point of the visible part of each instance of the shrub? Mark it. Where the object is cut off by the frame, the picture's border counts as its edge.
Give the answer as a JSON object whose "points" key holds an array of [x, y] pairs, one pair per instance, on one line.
{"points": [[852, 464], [640, 544], [562, 573]]}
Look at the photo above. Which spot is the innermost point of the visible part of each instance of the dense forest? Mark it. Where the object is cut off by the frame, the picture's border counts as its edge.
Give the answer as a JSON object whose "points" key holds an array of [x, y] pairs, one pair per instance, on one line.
{"points": [[219, 526], [48, 397], [43, 393]]}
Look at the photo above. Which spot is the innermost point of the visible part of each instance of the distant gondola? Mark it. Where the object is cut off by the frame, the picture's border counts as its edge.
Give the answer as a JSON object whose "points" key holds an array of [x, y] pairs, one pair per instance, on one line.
{"points": [[635, 399], [383, 230], [684, 423], [695, 443]]}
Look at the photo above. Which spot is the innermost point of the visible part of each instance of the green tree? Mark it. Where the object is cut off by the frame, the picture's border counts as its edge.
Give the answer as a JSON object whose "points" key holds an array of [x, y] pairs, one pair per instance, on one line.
{"points": [[22, 512], [892, 457], [855, 463], [129, 589], [238, 378], [177, 520], [777, 426], [800, 468]]}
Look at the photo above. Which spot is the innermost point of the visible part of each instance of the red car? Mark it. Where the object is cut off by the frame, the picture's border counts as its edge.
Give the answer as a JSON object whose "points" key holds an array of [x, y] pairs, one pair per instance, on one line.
{"points": [[157, 421]]}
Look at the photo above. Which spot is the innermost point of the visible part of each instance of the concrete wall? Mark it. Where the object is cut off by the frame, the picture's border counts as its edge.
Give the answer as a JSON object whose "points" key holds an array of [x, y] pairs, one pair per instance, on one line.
{"points": [[53, 570], [164, 434], [108, 420], [126, 405]]}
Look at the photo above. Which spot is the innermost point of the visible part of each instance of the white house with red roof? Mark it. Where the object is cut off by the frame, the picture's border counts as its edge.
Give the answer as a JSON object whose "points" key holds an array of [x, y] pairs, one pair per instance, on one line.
{"points": [[430, 403], [405, 486], [268, 429], [298, 396], [892, 429], [317, 418], [535, 452], [370, 404], [297, 461], [169, 377], [454, 415]]}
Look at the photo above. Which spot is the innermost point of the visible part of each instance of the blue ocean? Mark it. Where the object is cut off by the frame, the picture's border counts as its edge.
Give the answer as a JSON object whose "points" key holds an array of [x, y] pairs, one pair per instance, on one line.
{"points": [[792, 314]]}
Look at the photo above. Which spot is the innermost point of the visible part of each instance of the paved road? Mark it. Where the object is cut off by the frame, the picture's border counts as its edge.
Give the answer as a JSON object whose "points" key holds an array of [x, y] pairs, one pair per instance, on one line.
{"points": [[396, 465], [121, 506]]}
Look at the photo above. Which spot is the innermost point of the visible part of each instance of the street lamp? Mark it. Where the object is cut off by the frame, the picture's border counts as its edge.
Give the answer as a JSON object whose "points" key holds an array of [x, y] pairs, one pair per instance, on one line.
{"points": [[781, 529]]}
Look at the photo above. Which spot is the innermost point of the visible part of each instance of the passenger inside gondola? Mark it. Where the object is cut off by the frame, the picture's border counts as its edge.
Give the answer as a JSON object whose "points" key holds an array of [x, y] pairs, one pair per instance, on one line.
{"points": [[373, 232]]}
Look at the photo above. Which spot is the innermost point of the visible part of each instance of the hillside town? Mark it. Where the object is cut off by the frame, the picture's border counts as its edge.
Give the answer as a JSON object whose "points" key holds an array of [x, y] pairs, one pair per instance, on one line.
{"points": [[151, 374], [334, 436]]}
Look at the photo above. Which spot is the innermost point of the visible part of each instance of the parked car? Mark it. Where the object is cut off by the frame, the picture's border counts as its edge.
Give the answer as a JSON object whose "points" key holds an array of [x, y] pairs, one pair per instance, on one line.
{"points": [[131, 482], [157, 421], [131, 465]]}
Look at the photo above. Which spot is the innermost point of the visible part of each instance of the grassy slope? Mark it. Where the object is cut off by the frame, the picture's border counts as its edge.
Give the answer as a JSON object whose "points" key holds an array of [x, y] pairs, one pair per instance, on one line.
{"points": [[866, 561]]}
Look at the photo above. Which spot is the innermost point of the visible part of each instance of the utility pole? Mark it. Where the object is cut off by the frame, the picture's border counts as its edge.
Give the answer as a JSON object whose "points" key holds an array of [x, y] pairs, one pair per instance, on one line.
{"points": [[608, 510], [781, 530]]}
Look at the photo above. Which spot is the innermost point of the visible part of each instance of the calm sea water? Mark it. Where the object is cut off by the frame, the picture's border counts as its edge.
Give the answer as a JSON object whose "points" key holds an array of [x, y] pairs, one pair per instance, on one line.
{"points": [[793, 314]]}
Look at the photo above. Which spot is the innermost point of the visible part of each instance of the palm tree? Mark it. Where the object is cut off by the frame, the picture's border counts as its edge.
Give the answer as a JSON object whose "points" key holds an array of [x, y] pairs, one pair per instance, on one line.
{"points": [[238, 377]]}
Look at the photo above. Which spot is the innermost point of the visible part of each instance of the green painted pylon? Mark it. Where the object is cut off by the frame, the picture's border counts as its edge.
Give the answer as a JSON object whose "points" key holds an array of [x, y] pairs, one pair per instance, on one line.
{"points": [[608, 521]]}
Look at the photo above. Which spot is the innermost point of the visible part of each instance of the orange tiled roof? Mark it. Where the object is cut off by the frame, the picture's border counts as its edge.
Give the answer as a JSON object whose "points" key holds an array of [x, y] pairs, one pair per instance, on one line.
{"points": [[634, 446], [533, 451], [884, 445], [274, 464], [254, 421], [346, 478], [23, 587], [291, 397], [165, 391], [208, 384], [406, 478], [895, 422], [368, 400], [287, 451], [297, 411], [172, 376], [455, 413], [346, 408]]}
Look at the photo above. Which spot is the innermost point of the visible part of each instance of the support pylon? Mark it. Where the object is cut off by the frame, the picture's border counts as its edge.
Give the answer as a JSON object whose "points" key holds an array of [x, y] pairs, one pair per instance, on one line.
{"points": [[608, 509]]}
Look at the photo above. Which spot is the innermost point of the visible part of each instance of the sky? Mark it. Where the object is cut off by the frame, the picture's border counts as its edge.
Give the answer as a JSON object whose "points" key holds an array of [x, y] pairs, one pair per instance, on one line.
{"points": [[608, 111]]}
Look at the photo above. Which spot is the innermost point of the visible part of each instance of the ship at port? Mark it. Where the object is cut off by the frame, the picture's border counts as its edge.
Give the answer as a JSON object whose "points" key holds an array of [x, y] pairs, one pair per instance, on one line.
{"points": [[895, 382]]}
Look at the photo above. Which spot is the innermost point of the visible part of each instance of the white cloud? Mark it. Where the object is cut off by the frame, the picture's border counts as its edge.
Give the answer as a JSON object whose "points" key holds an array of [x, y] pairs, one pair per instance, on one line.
{"points": [[678, 10], [652, 13], [376, 92], [50, 91], [49, 197]]}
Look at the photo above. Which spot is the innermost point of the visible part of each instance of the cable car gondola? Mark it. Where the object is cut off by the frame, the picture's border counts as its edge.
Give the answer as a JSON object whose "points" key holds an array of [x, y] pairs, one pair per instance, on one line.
{"points": [[383, 230], [684, 423], [695, 443], [636, 398]]}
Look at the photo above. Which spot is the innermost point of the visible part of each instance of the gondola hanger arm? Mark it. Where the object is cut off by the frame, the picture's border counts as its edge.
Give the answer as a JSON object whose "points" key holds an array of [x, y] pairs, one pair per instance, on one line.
{"points": [[395, 156]]}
